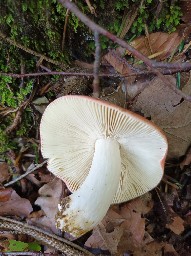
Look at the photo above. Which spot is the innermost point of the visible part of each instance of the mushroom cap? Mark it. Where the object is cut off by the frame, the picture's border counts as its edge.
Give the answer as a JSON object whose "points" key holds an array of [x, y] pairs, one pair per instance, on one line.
{"points": [[70, 127]]}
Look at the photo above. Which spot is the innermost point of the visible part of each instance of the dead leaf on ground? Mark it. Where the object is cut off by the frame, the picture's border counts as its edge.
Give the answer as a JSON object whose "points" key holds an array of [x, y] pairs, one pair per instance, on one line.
{"points": [[159, 44], [169, 250], [168, 111], [177, 225], [185, 6], [14, 205], [116, 60], [5, 194], [122, 224], [187, 159], [48, 200], [153, 248], [4, 172]]}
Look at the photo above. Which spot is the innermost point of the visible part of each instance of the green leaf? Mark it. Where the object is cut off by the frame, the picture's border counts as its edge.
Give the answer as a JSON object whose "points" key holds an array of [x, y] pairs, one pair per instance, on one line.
{"points": [[17, 246], [34, 246]]}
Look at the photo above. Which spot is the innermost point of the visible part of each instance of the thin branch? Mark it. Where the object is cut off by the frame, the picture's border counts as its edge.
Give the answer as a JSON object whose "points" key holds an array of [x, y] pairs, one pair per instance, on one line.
{"points": [[51, 240], [22, 254], [25, 174], [165, 71], [96, 88], [65, 27], [94, 27]]}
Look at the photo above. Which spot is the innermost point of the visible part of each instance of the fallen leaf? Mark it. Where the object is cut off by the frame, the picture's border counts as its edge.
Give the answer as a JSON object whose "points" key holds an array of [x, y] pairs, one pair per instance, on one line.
{"points": [[125, 223], [48, 200], [5, 194], [116, 60], [185, 6], [177, 225], [169, 250], [4, 172], [140, 205], [104, 240], [40, 104], [187, 159], [154, 248], [15, 205], [160, 44], [167, 110]]}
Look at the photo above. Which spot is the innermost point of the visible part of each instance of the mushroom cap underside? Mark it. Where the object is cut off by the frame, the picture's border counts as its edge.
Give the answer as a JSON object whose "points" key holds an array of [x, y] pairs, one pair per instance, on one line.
{"points": [[71, 125]]}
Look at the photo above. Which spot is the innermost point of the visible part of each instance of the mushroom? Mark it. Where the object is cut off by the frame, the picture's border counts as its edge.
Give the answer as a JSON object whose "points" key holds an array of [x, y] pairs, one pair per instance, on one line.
{"points": [[105, 154]]}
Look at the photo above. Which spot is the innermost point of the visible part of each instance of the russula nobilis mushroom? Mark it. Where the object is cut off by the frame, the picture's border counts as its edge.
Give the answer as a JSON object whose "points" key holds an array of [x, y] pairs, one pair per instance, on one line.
{"points": [[105, 155]]}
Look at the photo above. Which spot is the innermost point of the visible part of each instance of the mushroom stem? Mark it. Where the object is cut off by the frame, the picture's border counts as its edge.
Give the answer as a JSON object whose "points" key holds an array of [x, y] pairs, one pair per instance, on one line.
{"points": [[87, 206]]}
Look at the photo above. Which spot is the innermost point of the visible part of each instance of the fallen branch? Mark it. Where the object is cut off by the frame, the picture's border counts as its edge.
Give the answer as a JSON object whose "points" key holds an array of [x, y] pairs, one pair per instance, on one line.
{"points": [[52, 73], [51, 240], [96, 28], [25, 174], [96, 89]]}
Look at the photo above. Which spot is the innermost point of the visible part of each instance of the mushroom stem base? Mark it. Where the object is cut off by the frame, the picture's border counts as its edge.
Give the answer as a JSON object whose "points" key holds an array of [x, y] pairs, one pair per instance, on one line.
{"points": [[87, 206]]}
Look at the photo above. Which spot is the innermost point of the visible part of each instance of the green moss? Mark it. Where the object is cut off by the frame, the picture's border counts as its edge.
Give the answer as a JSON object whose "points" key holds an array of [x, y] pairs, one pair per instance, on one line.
{"points": [[38, 25]]}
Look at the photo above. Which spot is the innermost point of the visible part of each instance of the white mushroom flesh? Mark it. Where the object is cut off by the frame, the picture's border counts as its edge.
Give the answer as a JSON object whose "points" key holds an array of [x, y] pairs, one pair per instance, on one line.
{"points": [[87, 206]]}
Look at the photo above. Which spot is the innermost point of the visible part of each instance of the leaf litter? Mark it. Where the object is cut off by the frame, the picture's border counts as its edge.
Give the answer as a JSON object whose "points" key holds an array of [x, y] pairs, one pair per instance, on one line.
{"points": [[145, 226]]}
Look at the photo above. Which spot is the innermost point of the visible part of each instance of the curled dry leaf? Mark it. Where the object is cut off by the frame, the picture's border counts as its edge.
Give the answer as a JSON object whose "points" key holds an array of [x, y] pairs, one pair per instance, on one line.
{"points": [[14, 205], [156, 248], [5, 194], [177, 225], [48, 200], [114, 58], [169, 250], [168, 111], [159, 44], [4, 172], [122, 224]]}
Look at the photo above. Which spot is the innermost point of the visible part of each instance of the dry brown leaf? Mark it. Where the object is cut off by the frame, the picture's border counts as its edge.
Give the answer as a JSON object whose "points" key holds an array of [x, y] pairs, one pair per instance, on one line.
{"points": [[5, 194], [177, 225], [4, 172], [15, 205], [169, 250], [162, 44], [140, 205], [48, 200], [185, 6], [104, 240], [157, 249], [187, 159], [96, 240], [114, 58], [167, 110], [121, 225]]}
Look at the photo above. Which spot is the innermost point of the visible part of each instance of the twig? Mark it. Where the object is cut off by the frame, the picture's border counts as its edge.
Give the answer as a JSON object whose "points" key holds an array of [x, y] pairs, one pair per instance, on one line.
{"points": [[25, 174], [15, 123], [94, 27], [96, 89], [13, 42], [92, 9], [166, 71], [18, 116], [22, 254], [65, 27], [51, 240]]}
